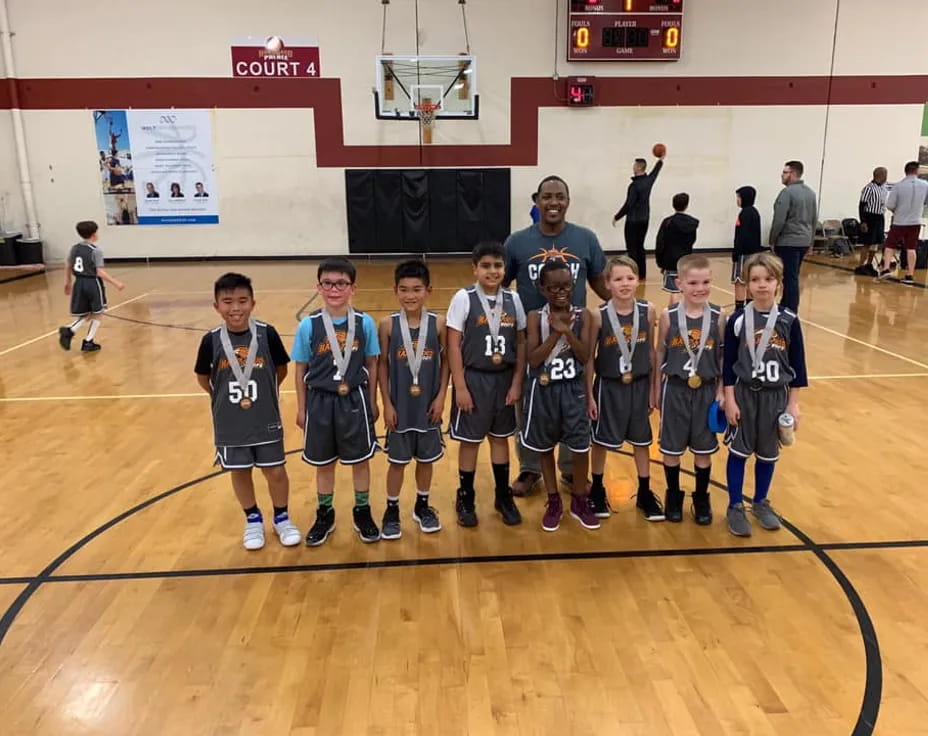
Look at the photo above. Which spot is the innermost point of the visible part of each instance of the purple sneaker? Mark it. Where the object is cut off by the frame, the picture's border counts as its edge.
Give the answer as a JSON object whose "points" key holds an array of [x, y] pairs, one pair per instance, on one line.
{"points": [[581, 510], [553, 513]]}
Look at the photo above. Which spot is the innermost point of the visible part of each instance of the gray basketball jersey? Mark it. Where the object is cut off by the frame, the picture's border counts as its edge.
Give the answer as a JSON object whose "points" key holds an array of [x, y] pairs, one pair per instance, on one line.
{"points": [[564, 366], [776, 370], [234, 426], [607, 353], [83, 259], [412, 411], [477, 345], [676, 359], [321, 372]]}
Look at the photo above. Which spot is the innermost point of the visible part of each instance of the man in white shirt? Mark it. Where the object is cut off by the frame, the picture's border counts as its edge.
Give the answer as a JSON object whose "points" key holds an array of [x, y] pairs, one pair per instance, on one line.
{"points": [[907, 202]]}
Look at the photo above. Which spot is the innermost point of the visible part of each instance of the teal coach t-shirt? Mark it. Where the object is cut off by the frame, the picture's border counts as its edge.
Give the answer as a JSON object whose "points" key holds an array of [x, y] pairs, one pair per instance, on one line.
{"points": [[529, 249]]}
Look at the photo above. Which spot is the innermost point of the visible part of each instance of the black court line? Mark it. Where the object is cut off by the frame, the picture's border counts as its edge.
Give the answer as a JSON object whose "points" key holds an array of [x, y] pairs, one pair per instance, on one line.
{"points": [[848, 269], [22, 276], [870, 703]]}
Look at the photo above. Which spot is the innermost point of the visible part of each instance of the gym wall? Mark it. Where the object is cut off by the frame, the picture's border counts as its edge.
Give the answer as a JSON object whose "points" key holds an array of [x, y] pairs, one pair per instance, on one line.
{"points": [[751, 91]]}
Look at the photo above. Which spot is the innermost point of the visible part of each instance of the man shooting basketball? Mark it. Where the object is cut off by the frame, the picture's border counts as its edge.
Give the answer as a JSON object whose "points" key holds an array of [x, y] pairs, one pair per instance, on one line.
{"points": [[637, 208]]}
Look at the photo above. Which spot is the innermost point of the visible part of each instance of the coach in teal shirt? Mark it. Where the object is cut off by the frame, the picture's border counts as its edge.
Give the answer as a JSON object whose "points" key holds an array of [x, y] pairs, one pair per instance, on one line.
{"points": [[551, 239]]}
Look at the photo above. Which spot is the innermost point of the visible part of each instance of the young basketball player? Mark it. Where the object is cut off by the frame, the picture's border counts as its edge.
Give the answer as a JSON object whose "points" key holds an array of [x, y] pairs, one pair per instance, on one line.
{"points": [[763, 370], [747, 240], [689, 380], [486, 352], [88, 296], [241, 365], [675, 239], [623, 395], [413, 375], [335, 350], [559, 338]]}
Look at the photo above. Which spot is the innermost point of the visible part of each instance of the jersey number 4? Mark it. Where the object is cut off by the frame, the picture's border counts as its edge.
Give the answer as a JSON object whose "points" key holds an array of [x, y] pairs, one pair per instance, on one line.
{"points": [[497, 346], [236, 394]]}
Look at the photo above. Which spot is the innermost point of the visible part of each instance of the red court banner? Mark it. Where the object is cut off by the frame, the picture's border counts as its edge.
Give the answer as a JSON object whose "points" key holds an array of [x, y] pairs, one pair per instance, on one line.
{"points": [[276, 59]]}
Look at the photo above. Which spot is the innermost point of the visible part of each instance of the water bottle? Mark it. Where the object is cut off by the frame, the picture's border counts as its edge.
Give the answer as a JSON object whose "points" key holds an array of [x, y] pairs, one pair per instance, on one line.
{"points": [[786, 425]]}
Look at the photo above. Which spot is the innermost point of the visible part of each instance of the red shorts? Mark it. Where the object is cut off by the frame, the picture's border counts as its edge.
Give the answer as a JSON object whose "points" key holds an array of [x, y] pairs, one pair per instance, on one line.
{"points": [[903, 236]]}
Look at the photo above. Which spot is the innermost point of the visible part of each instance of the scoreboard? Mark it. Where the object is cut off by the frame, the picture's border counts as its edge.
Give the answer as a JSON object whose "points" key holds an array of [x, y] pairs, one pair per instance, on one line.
{"points": [[620, 30]]}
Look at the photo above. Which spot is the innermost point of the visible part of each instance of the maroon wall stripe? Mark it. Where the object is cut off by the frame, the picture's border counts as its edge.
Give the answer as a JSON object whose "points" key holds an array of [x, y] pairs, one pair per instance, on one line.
{"points": [[527, 94]]}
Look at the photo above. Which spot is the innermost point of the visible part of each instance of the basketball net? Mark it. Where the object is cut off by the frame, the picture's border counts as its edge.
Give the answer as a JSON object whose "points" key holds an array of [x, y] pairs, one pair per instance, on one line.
{"points": [[426, 111]]}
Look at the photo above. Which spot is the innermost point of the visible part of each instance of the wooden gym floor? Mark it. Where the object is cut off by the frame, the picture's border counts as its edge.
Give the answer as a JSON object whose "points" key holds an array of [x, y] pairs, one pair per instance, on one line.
{"points": [[131, 607]]}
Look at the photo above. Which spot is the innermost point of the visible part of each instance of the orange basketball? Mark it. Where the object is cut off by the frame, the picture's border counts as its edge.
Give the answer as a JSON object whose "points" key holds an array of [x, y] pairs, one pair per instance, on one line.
{"points": [[659, 150]]}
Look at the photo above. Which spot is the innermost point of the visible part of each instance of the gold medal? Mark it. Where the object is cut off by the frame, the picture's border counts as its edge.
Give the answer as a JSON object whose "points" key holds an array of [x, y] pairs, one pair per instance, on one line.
{"points": [[245, 403], [343, 389], [694, 381], [627, 377], [415, 390], [497, 358], [544, 379]]}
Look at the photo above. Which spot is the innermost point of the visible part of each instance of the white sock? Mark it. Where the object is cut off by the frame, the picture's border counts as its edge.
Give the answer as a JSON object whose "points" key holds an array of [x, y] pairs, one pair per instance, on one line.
{"points": [[94, 326], [76, 324]]}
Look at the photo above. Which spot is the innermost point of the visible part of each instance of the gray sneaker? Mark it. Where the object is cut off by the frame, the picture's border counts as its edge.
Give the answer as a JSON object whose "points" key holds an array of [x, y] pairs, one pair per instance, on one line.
{"points": [[738, 523], [426, 518], [766, 516], [390, 526]]}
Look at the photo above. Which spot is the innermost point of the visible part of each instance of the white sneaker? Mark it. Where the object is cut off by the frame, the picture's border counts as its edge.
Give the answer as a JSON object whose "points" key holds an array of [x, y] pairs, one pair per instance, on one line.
{"points": [[288, 533], [253, 538]]}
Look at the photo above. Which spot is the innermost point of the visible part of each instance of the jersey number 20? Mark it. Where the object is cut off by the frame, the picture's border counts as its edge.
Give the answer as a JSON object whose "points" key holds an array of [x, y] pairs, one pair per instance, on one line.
{"points": [[768, 372]]}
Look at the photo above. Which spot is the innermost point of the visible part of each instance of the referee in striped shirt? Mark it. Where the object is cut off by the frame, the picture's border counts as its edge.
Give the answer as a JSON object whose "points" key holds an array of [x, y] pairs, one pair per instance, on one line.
{"points": [[872, 208]]}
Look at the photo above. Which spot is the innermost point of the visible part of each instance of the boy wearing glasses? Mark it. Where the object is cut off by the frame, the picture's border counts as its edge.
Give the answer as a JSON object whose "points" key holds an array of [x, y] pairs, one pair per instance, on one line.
{"points": [[335, 351]]}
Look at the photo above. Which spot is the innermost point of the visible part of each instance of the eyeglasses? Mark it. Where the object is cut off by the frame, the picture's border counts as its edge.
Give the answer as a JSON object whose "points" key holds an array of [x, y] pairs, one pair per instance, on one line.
{"points": [[334, 285], [559, 289]]}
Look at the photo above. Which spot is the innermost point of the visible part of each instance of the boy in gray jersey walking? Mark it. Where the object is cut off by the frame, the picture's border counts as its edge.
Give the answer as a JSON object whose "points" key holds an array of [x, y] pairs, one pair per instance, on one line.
{"points": [[88, 297], [413, 375], [241, 366]]}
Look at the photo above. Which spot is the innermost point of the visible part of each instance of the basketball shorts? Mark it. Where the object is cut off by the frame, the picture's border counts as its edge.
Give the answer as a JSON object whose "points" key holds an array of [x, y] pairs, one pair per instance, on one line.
{"points": [[490, 415], [685, 418], [624, 413], [555, 413], [903, 236], [670, 282], [262, 456], [339, 427], [87, 296], [423, 447], [757, 433], [737, 270]]}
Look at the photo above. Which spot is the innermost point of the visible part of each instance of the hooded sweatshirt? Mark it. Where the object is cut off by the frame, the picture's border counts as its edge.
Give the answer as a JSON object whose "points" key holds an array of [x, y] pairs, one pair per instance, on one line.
{"points": [[747, 226], [675, 239]]}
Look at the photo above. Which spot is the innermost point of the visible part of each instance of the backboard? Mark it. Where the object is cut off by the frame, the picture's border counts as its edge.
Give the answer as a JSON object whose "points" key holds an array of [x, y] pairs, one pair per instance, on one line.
{"points": [[403, 82]]}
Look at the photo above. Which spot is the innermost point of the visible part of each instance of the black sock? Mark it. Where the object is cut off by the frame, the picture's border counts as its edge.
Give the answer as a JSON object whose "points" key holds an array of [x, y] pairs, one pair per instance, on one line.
{"points": [[597, 481], [422, 499], [253, 511], [280, 512], [672, 474], [501, 476], [644, 486], [466, 479], [702, 480], [739, 304], [393, 503]]}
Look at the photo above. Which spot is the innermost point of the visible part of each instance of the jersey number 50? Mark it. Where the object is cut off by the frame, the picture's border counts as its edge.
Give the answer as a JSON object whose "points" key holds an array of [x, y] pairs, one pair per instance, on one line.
{"points": [[236, 394]]}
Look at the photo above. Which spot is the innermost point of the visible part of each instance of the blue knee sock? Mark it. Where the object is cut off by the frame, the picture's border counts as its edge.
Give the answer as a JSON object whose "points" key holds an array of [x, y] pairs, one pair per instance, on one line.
{"points": [[763, 476], [735, 470]]}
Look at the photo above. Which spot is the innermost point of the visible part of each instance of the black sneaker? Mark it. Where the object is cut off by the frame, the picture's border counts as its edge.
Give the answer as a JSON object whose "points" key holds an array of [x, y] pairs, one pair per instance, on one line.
{"points": [[364, 524], [507, 507], [390, 525], [467, 515], [908, 280], [673, 506], [599, 503], [702, 509], [89, 346], [324, 526], [64, 337], [426, 517], [884, 274], [649, 506]]}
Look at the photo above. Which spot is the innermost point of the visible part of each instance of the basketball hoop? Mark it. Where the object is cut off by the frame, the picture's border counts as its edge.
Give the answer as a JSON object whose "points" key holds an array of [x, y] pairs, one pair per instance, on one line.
{"points": [[426, 111]]}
